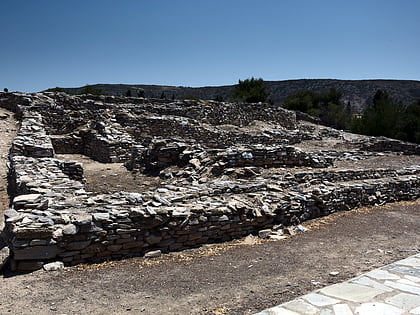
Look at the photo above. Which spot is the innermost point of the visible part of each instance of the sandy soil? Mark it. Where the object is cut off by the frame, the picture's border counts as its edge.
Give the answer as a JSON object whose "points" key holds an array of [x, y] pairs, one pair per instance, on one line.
{"points": [[229, 278]]}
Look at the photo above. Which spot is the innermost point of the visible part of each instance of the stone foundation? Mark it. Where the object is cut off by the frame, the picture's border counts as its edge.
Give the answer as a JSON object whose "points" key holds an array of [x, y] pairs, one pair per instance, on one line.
{"points": [[52, 217]]}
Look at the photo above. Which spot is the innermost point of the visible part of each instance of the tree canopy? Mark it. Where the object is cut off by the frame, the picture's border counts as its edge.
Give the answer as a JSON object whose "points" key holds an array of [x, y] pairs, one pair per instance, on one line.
{"points": [[250, 91], [385, 117], [327, 106]]}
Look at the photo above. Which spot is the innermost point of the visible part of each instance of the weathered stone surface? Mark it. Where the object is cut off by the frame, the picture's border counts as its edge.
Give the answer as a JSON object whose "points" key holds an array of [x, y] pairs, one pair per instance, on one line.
{"points": [[351, 292], [29, 265], [36, 252], [54, 266], [70, 229], [4, 256], [153, 254], [218, 181]]}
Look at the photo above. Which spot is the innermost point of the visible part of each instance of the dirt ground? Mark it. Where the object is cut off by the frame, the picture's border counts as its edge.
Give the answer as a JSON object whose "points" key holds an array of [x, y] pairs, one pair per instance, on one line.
{"points": [[229, 278]]}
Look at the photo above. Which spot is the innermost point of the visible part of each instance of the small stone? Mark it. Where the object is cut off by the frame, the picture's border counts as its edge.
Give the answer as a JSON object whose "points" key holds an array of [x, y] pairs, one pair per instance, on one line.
{"points": [[29, 198], [250, 239], [4, 256], [69, 229], [153, 254], [319, 299], [264, 233], [54, 266], [334, 273], [300, 229]]}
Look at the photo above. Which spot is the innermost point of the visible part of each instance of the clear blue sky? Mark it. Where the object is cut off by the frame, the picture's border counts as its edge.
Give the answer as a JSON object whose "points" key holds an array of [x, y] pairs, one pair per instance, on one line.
{"points": [[48, 43]]}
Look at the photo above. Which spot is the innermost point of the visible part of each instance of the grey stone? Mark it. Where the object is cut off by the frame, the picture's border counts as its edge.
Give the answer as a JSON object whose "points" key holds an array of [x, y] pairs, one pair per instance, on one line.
{"points": [[29, 265], [70, 229], [264, 233], [10, 213], [54, 266], [153, 239], [319, 299], [351, 292], [369, 282], [29, 198], [301, 306], [153, 254], [4, 256], [403, 287], [36, 252], [382, 275], [77, 245], [404, 301], [101, 216]]}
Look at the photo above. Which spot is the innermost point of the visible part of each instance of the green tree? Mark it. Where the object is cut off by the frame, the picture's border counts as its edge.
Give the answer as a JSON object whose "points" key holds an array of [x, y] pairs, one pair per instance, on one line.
{"points": [[140, 93], [250, 91], [90, 89], [327, 106], [128, 93], [58, 89], [189, 97], [385, 117]]}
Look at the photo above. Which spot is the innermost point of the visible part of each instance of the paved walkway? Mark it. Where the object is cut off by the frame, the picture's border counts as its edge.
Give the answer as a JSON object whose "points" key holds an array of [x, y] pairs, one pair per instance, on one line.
{"points": [[391, 290]]}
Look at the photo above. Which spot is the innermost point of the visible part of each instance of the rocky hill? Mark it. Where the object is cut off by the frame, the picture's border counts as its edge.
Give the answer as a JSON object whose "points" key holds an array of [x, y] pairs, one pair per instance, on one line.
{"points": [[358, 92]]}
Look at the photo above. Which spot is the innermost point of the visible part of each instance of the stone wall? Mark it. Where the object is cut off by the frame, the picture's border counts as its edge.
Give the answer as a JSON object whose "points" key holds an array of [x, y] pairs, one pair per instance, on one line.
{"points": [[52, 217]]}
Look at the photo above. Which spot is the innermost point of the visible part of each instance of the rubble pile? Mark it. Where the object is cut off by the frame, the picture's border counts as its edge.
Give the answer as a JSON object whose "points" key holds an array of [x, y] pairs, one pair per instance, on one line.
{"points": [[210, 191]]}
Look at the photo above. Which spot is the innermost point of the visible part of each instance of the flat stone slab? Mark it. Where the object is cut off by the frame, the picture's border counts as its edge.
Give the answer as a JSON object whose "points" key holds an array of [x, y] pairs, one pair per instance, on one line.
{"points": [[352, 292], [391, 290]]}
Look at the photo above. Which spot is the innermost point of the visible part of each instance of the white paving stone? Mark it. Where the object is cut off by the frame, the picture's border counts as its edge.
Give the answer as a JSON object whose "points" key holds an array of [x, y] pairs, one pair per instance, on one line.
{"points": [[319, 299], [382, 275], [410, 261], [400, 287], [378, 308], [277, 310], [403, 287], [301, 306], [406, 281], [342, 309], [405, 301], [351, 292], [372, 283], [411, 278]]}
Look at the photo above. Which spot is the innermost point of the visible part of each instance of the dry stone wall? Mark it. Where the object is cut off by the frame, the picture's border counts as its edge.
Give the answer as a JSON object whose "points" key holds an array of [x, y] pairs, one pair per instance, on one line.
{"points": [[52, 217]]}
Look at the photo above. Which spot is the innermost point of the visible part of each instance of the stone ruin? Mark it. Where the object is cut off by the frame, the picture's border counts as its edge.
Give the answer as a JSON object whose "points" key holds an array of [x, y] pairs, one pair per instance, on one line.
{"points": [[225, 170]]}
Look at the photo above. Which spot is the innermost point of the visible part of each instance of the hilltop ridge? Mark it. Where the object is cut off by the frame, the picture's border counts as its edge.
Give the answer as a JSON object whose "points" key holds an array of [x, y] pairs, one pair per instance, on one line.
{"points": [[358, 93]]}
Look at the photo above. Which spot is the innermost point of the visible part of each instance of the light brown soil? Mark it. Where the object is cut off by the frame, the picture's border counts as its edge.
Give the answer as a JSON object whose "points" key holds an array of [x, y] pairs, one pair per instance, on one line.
{"points": [[230, 278], [111, 177]]}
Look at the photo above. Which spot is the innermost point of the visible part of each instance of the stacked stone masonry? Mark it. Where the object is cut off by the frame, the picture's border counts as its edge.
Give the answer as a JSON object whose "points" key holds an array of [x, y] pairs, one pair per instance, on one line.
{"points": [[52, 217]]}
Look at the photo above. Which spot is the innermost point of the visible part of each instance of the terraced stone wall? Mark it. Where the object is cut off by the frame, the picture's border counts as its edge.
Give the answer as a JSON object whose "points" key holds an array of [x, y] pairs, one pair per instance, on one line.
{"points": [[53, 218]]}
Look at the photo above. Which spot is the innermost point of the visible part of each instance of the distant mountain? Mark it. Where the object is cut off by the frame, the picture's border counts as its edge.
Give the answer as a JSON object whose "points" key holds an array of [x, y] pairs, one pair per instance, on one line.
{"points": [[358, 93]]}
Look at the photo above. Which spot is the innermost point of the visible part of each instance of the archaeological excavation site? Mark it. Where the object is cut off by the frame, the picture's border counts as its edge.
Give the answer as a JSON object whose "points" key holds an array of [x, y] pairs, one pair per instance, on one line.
{"points": [[96, 178]]}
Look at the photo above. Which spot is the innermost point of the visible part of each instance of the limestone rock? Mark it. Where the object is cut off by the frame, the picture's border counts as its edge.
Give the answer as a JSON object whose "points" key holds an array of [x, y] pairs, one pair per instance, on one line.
{"points": [[54, 266]]}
